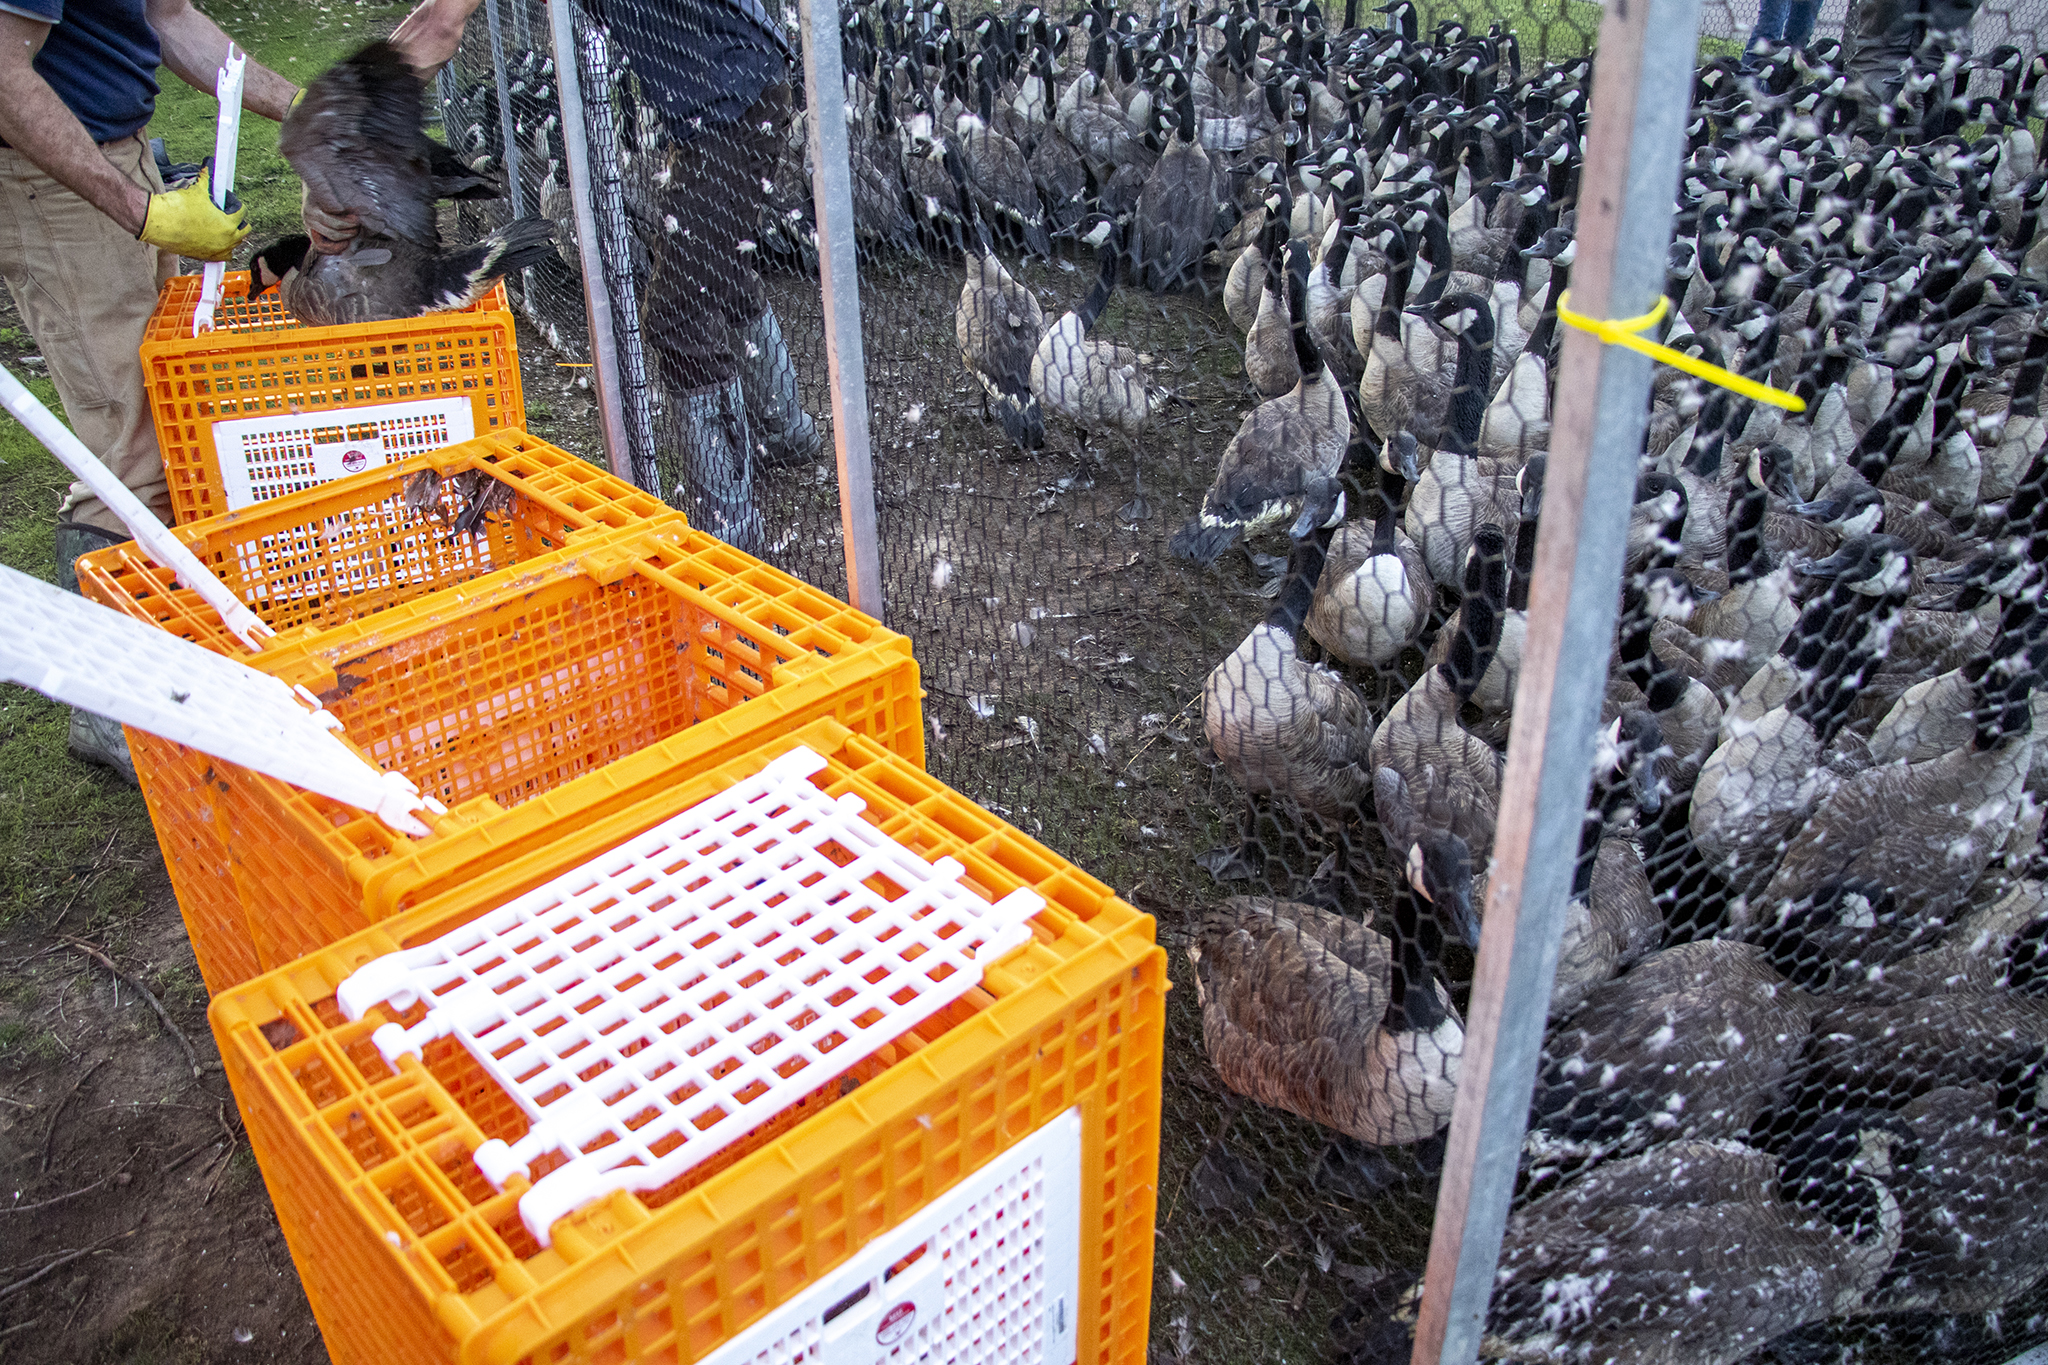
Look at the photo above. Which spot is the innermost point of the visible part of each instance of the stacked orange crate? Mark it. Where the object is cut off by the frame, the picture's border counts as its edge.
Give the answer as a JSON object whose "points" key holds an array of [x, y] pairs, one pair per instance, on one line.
{"points": [[261, 405], [410, 1255], [554, 689]]}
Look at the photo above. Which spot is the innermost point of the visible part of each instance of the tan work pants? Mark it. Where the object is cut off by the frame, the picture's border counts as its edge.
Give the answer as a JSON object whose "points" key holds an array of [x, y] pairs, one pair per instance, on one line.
{"points": [[86, 288]]}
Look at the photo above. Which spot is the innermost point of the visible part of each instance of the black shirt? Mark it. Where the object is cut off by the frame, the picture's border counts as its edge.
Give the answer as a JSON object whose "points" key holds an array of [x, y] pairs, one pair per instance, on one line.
{"points": [[101, 59], [700, 62]]}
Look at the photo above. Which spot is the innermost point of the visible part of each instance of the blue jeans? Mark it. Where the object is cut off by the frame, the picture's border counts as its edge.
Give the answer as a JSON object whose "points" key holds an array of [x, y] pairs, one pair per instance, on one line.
{"points": [[1786, 23]]}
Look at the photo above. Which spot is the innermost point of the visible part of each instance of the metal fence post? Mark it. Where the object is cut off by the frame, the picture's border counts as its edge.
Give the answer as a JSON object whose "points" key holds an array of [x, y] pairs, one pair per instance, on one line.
{"points": [[832, 190], [615, 249], [506, 132], [618, 451], [1642, 84]]}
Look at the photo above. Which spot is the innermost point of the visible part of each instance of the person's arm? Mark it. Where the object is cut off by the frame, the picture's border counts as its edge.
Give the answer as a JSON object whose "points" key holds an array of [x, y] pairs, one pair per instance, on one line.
{"points": [[430, 35], [36, 123], [194, 48]]}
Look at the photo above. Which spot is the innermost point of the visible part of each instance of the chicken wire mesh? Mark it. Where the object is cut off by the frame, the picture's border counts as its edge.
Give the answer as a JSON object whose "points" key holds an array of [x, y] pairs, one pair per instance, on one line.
{"points": [[1245, 643]]}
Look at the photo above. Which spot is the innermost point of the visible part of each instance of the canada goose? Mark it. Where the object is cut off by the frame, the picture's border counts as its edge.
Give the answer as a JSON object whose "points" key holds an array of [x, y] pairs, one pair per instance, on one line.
{"points": [[1517, 420], [358, 140], [1757, 610], [1057, 169], [1311, 1012], [1610, 920], [1766, 776], [1692, 1043], [1280, 725], [998, 324], [1329, 295], [1095, 384], [1269, 359], [1176, 210], [1689, 713], [2023, 431], [1286, 449], [1452, 777], [1726, 1248], [1938, 716], [2002, 946], [1459, 490], [1253, 275], [998, 175], [1973, 1233], [1376, 592], [1388, 387], [378, 279], [1936, 824]]}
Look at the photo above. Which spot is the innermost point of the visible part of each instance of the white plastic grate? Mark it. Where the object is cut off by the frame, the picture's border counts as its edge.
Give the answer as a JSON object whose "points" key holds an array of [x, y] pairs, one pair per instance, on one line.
{"points": [[99, 660], [662, 1000], [267, 457], [995, 1278]]}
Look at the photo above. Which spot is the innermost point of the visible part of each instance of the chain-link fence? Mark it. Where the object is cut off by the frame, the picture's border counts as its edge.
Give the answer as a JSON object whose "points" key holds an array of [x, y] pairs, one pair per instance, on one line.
{"points": [[1210, 360]]}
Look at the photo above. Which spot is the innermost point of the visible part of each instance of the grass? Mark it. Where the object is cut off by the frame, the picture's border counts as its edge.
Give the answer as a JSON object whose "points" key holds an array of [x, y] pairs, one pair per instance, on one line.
{"points": [[66, 831]]}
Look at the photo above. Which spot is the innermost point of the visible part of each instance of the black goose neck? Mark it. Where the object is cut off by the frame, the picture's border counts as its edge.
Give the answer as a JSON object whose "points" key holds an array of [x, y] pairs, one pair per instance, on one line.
{"points": [[1305, 560], [1412, 1002], [1305, 353]]}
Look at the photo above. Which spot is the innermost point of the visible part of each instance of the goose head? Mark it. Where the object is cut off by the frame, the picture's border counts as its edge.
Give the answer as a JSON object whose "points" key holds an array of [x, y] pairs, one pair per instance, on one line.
{"points": [[1399, 456], [1439, 870], [1839, 1167], [1873, 565]]}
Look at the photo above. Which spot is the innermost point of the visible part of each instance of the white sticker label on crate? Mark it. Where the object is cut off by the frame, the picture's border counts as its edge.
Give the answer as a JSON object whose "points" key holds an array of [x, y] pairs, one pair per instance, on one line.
{"points": [[989, 1273], [266, 457], [653, 1005]]}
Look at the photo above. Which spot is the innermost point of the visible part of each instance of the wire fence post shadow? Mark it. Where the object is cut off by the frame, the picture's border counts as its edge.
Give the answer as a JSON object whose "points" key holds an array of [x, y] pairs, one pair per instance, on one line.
{"points": [[604, 357], [615, 246], [832, 191], [508, 137], [1634, 141]]}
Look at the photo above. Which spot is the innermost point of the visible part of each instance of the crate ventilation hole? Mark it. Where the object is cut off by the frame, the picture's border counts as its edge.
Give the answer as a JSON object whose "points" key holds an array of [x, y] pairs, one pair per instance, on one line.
{"points": [[674, 993]]}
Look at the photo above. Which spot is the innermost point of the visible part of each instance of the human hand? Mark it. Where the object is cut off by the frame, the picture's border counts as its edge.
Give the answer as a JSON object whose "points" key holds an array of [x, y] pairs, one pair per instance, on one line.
{"points": [[330, 230], [185, 221]]}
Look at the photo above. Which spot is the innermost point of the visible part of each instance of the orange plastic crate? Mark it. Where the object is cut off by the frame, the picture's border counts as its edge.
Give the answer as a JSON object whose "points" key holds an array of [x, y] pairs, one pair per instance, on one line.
{"points": [[325, 556], [529, 701], [408, 1255], [313, 403]]}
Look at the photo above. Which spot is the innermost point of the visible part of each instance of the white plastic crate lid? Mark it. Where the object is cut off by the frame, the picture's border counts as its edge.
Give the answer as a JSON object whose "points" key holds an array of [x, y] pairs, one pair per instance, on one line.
{"points": [[95, 658], [676, 992], [154, 537], [996, 1279]]}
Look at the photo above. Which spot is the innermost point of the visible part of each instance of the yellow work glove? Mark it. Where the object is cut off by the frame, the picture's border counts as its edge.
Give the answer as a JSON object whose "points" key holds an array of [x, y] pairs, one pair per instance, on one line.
{"points": [[185, 221]]}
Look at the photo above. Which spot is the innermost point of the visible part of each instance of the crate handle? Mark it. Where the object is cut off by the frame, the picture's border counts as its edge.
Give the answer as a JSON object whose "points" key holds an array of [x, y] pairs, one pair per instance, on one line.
{"points": [[227, 133]]}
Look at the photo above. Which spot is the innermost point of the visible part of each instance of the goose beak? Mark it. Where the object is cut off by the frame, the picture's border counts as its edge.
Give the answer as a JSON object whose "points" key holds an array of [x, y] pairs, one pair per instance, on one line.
{"points": [[1644, 788], [1830, 567], [1820, 511], [1404, 458], [1464, 920]]}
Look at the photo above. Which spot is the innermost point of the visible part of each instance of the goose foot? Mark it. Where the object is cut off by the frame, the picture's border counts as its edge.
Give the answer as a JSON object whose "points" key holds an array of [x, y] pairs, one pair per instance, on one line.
{"points": [[1349, 1169], [1222, 1180], [1242, 863]]}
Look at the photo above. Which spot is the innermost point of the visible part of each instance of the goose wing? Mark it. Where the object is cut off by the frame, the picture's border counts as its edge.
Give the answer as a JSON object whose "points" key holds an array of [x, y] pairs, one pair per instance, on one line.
{"points": [[356, 140]]}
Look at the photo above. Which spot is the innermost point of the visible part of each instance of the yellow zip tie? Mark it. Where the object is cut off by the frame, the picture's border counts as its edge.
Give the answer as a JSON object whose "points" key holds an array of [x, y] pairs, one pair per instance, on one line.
{"points": [[1621, 332]]}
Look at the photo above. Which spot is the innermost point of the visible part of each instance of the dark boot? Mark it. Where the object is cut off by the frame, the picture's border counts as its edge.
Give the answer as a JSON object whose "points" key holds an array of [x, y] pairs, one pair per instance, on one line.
{"points": [[784, 432], [93, 739], [716, 483]]}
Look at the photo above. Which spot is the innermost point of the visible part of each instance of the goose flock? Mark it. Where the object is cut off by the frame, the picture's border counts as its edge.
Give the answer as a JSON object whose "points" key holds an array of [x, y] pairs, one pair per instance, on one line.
{"points": [[1797, 1045], [1795, 1065]]}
